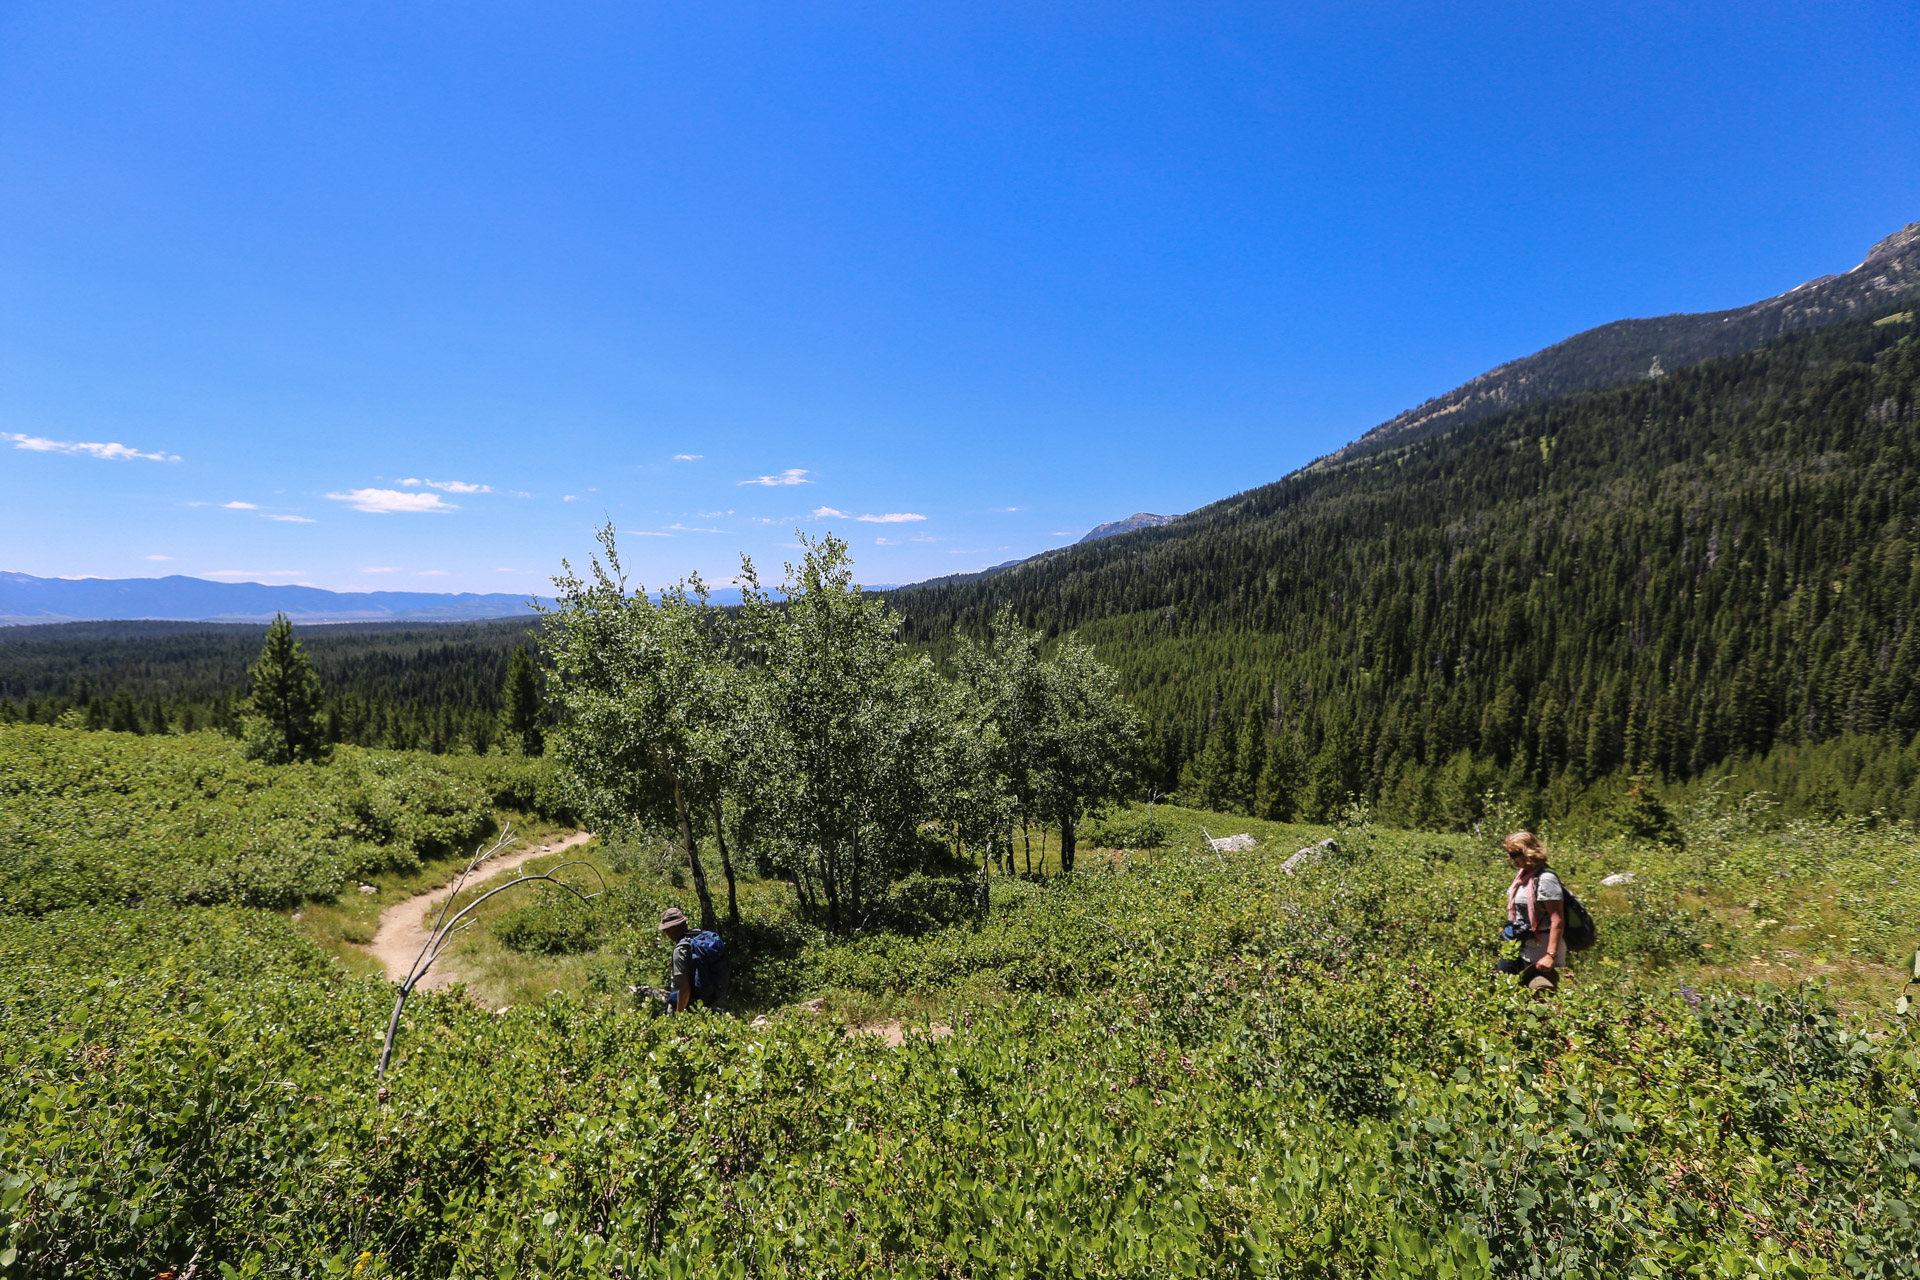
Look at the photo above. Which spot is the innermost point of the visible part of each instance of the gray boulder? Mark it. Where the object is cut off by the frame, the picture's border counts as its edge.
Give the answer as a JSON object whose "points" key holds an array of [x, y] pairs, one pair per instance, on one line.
{"points": [[1312, 853]]}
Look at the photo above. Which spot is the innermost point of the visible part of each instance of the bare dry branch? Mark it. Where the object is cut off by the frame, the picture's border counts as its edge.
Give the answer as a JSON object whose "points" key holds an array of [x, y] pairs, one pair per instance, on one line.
{"points": [[445, 927]]}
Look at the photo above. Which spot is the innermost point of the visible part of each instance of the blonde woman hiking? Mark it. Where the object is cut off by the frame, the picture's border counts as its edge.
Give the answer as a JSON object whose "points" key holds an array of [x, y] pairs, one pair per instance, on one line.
{"points": [[1536, 914]]}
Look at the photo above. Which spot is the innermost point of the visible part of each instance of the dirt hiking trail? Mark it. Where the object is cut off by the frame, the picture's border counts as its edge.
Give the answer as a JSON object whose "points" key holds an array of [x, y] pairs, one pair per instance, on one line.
{"points": [[404, 925]]}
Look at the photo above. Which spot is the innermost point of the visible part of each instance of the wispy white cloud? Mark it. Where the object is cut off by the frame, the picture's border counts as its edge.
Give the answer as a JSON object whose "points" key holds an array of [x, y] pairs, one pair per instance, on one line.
{"points": [[688, 457], [507, 570], [792, 475], [892, 517], [1003, 510], [159, 557], [237, 505], [687, 528], [713, 515], [570, 497], [1063, 533], [643, 533], [112, 451], [925, 537], [256, 573], [886, 542], [448, 486], [827, 513], [430, 573], [387, 501]]}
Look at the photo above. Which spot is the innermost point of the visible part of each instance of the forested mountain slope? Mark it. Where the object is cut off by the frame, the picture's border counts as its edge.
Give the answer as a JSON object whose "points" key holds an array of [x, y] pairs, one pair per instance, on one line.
{"points": [[1667, 574], [1627, 349]]}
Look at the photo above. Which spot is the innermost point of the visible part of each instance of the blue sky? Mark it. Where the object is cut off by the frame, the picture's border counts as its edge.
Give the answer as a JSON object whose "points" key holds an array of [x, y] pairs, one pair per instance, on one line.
{"points": [[416, 295]]}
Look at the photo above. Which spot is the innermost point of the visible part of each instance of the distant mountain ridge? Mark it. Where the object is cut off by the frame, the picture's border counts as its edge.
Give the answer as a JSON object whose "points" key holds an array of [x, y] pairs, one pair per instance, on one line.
{"points": [[26, 599], [1629, 349]]}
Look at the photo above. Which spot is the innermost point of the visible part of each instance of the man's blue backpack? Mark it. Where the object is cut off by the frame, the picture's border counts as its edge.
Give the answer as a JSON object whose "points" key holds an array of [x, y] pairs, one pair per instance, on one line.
{"points": [[711, 972]]}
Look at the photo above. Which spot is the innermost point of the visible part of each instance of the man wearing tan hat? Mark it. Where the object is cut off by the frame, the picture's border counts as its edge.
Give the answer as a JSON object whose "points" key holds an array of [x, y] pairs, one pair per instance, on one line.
{"points": [[679, 996], [701, 970]]}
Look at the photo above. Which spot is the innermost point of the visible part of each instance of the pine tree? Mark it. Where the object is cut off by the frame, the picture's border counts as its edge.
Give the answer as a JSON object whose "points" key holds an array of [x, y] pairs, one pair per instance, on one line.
{"points": [[1273, 797], [1214, 771], [520, 711], [1250, 761], [1640, 815], [283, 716]]}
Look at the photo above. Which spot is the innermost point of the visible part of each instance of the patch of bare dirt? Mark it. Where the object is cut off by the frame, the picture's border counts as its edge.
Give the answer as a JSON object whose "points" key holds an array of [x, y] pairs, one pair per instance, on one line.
{"points": [[894, 1034], [404, 926]]}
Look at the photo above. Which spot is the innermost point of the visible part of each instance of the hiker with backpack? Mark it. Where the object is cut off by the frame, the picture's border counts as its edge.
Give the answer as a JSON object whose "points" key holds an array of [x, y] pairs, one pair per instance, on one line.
{"points": [[699, 968], [1543, 916]]}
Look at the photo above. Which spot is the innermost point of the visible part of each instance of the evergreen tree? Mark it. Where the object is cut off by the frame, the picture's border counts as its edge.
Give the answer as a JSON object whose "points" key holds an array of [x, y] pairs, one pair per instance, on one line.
{"points": [[1214, 772], [283, 717], [520, 709], [1273, 795], [1250, 761], [1640, 815]]}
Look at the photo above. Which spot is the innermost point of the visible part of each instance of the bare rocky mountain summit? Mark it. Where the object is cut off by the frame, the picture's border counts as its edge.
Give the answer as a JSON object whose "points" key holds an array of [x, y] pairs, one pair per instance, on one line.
{"points": [[1138, 520], [1630, 349]]}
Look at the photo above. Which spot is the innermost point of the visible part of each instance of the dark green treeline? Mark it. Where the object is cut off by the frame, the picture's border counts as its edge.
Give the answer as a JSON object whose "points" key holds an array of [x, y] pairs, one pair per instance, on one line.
{"points": [[410, 687], [1666, 576]]}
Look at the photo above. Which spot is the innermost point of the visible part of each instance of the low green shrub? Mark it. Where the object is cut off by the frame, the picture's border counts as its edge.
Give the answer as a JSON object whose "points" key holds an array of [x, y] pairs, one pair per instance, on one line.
{"points": [[1245, 1115], [920, 902], [117, 818], [1191, 1063], [1658, 931], [1136, 827], [555, 923]]}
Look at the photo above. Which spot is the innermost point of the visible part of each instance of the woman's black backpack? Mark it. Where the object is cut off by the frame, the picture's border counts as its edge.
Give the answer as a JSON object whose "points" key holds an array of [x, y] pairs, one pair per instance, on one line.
{"points": [[1580, 930]]}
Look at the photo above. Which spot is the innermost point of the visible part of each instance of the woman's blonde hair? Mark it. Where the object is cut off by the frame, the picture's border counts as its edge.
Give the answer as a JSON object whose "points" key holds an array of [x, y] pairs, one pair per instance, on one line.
{"points": [[1527, 847]]}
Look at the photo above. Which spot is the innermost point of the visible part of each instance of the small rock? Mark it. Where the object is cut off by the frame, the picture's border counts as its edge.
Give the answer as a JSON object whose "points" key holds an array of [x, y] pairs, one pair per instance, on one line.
{"points": [[1312, 853], [1618, 877], [760, 1023], [368, 888], [815, 1005], [298, 916], [1234, 844]]}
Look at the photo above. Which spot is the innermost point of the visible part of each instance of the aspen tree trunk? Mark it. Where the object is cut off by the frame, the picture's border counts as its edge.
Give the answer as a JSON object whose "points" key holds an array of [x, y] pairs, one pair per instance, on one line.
{"points": [[726, 864], [707, 918], [831, 884]]}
